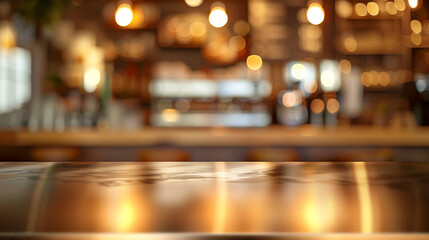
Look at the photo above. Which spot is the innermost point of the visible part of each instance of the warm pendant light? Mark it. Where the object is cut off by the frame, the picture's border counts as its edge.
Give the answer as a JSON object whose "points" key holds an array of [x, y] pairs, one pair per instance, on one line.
{"points": [[315, 13], [124, 13], [218, 16]]}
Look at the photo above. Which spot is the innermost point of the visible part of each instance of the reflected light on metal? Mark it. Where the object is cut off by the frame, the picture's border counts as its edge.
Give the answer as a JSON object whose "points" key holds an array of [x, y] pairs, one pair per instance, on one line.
{"points": [[221, 198], [364, 197]]}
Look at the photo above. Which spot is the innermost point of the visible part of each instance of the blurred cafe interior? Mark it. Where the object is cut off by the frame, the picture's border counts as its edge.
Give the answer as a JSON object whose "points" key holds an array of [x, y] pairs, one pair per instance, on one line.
{"points": [[214, 80], [214, 119]]}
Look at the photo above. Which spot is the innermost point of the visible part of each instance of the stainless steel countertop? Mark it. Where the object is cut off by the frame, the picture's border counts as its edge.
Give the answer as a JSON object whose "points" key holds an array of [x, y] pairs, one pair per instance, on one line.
{"points": [[196, 200]]}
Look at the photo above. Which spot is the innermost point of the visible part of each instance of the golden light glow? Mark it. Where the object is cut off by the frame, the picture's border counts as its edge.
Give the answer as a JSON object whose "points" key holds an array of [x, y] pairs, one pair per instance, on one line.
{"points": [[218, 17], [254, 62], [193, 3], [198, 29], [290, 99], [221, 198], [315, 14], [91, 79], [413, 3], [343, 9], [364, 197], [310, 86], [391, 8], [327, 78], [237, 43], [7, 35], [416, 38], [170, 115], [350, 44], [416, 26], [124, 15], [126, 215], [345, 66], [241, 28], [372, 8], [384, 78], [400, 5], [332, 106], [298, 71], [366, 79], [360, 9], [374, 77], [317, 106]]}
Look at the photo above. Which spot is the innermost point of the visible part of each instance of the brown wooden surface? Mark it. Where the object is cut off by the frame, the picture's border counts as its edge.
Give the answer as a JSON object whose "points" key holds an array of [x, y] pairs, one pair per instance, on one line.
{"points": [[273, 135]]}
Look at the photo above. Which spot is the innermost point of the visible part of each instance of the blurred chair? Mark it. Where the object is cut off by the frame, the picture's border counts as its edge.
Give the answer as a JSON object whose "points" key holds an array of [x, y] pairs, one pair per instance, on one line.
{"points": [[273, 155], [55, 154], [163, 155], [367, 155]]}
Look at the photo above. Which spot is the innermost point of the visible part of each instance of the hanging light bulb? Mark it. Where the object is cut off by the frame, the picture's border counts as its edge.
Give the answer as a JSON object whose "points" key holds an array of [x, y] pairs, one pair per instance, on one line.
{"points": [[218, 16], [413, 3], [315, 13], [124, 14], [194, 3]]}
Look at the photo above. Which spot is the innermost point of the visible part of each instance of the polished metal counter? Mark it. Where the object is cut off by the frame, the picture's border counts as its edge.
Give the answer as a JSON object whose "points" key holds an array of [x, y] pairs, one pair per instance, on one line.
{"points": [[200, 200]]}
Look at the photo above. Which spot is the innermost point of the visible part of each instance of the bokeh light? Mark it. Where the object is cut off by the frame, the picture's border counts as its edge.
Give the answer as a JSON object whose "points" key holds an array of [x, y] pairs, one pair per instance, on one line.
{"points": [[193, 3], [413, 3], [384, 79], [254, 62], [345, 66], [237, 43], [317, 106], [373, 8], [298, 71], [366, 79], [360, 9], [124, 15], [170, 115], [218, 17], [7, 35], [350, 44], [315, 14], [416, 39], [332, 106], [391, 9], [400, 5], [241, 28], [327, 78], [91, 79], [198, 29], [416, 26], [343, 8]]}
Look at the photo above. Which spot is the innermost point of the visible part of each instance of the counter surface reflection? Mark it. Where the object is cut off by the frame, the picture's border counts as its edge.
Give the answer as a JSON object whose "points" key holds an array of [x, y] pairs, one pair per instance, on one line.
{"points": [[203, 197]]}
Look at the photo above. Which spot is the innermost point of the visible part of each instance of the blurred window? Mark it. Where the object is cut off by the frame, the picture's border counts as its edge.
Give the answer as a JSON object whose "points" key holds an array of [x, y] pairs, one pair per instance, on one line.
{"points": [[15, 78]]}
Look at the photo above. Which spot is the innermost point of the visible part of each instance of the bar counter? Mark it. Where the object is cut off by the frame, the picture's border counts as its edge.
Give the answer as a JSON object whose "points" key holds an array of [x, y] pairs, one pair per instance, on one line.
{"points": [[214, 200], [220, 136]]}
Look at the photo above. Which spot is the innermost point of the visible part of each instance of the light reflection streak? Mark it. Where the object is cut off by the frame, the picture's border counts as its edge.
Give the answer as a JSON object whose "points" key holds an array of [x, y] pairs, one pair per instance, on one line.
{"points": [[364, 197], [37, 195], [220, 204], [320, 207]]}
